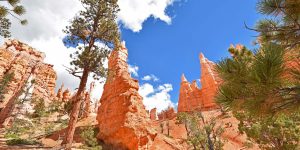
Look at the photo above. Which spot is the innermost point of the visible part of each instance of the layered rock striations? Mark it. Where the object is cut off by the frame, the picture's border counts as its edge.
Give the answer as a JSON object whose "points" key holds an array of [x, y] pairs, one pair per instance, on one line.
{"points": [[26, 66], [123, 120], [191, 97]]}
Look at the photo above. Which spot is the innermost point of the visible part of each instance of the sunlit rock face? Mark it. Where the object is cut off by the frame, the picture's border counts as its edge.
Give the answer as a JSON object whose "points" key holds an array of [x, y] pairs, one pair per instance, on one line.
{"points": [[167, 114], [153, 114], [123, 120], [191, 97], [26, 63]]}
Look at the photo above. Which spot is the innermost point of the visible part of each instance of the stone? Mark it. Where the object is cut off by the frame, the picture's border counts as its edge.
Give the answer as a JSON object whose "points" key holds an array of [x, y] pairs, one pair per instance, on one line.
{"points": [[59, 94], [122, 117], [87, 100], [232, 138], [193, 98], [167, 114], [28, 68], [66, 96], [153, 114]]}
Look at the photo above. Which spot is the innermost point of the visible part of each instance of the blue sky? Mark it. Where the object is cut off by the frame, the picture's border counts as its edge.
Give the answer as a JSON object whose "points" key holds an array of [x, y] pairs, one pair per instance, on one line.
{"points": [[208, 26], [164, 39]]}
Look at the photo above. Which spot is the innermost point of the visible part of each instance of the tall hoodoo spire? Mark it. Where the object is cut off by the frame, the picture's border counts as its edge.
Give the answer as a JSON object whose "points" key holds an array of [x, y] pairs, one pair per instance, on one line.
{"points": [[183, 78], [191, 97], [122, 117]]}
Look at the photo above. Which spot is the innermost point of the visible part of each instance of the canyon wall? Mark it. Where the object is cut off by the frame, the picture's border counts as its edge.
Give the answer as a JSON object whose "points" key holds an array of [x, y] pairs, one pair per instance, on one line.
{"points": [[23, 61], [26, 67]]}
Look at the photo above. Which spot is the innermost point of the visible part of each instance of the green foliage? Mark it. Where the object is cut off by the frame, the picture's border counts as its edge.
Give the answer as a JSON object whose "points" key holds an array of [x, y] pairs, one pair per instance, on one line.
{"points": [[18, 128], [49, 128], [89, 136], [93, 26], [4, 83], [283, 24], [19, 141], [39, 108], [255, 84], [201, 133], [55, 106], [68, 107], [265, 103], [279, 132], [13, 9]]}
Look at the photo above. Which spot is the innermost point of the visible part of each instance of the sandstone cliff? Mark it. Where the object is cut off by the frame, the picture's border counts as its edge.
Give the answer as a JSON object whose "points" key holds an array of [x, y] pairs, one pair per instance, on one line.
{"points": [[123, 120]]}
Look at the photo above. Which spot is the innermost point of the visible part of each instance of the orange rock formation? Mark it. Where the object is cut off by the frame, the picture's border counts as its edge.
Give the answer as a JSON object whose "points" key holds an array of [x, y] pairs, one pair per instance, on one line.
{"points": [[26, 64], [191, 97], [153, 114], [167, 114], [122, 118]]}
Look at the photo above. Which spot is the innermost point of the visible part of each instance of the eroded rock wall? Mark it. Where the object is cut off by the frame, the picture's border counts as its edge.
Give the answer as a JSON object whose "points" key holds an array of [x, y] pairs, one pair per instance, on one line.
{"points": [[23, 62]]}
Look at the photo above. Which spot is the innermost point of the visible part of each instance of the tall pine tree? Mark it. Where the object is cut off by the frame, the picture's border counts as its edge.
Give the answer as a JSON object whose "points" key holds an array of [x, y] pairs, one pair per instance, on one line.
{"points": [[93, 30]]}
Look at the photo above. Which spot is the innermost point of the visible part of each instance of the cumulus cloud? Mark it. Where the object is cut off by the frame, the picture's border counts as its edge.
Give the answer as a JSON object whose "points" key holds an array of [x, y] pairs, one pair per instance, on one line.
{"points": [[47, 19], [158, 97], [133, 70], [133, 13], [151, 77]]}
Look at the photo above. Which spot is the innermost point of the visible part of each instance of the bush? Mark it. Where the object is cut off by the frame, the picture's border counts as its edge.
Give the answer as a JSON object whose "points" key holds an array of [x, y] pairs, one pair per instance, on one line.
{"points": [[39, 108], [90, 140], [19, 141], [19, 127]]}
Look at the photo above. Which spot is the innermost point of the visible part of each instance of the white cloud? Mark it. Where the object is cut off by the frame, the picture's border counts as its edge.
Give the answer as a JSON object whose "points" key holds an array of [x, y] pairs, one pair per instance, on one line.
{"points": [[133, 70], [47, 19], [133, 13], [151, 77], [156, 97]]}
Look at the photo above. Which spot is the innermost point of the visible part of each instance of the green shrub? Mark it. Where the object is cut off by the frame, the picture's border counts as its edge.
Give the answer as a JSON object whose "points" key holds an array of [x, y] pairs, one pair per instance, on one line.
{"points": [[19, 141], [19, 127], [11, 136], [39, 108], [90, 140]]}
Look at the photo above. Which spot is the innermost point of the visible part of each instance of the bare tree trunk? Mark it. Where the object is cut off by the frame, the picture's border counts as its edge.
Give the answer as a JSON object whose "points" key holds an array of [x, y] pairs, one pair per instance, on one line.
{"points": [[75, 111], [7, 110]]}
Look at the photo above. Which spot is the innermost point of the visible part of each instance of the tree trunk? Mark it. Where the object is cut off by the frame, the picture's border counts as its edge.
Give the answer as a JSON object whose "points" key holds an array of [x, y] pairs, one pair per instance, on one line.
{"points": [[75, 111], [7, 110], [87, 105]]}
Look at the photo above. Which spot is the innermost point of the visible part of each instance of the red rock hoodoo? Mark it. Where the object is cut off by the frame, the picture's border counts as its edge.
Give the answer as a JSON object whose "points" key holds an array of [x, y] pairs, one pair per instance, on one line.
{"points": [[123, 120], [191, 97]]}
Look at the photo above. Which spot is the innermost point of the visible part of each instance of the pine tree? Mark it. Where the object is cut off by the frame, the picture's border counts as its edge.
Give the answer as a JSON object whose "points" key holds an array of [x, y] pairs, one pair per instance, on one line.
{"points": [[255, 82], [92, 28], [283, 23], [255, 90], [4, 83], [15, 10]]}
